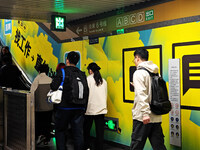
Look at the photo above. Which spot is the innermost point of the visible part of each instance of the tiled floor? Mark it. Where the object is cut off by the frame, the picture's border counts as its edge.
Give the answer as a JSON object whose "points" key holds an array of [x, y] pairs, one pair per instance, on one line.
{"points": [[107, 146], [1, 146], [52, 146]]}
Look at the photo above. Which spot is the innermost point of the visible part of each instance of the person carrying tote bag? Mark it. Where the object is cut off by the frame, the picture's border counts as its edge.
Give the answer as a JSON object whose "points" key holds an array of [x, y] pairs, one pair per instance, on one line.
{"points": [[56, 96]]}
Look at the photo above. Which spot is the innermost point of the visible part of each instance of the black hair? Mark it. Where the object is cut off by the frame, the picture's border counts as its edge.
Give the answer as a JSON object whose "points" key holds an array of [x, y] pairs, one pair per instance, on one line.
{"points": [[73, 57], [44, 68], [142, 53], [7, 59], [6, 47], [97, 76]]}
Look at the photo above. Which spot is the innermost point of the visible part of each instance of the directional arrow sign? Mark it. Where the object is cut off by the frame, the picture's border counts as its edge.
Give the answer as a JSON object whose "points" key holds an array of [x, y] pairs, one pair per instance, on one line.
{"points": [[78, 30]]}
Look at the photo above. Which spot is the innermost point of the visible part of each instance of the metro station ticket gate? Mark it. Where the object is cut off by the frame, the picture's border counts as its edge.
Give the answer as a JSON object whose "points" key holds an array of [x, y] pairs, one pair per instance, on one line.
{"points": [[1, 119], [19, 120]]}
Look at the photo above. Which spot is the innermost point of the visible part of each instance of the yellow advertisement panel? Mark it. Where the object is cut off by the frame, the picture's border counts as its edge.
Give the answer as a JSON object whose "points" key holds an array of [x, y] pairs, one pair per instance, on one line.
{"points": [[155, 55], [30, 46], [189, 55]]}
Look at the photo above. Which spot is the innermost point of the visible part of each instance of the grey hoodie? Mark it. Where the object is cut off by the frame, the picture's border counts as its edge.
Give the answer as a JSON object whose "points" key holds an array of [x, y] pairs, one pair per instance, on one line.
{"points": [[142, 85]]}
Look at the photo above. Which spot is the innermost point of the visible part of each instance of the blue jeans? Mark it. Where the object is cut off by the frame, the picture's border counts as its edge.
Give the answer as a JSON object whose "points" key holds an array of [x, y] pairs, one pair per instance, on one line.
{"points": [[62, 120]]}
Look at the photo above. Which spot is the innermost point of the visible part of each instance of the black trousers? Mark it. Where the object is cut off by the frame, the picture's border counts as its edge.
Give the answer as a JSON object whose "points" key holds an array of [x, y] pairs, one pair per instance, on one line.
{"points": [[141, 132], [43, 124], [99, 126]]}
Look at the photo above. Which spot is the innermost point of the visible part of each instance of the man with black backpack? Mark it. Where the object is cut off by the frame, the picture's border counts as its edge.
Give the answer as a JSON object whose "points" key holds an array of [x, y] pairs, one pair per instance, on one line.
{"points": [[146, 124], [72, 107]]}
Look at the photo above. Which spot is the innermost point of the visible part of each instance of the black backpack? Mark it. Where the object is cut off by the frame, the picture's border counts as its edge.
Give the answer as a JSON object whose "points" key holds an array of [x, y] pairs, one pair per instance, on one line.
{"points": [[78, 87], [160, 103]]}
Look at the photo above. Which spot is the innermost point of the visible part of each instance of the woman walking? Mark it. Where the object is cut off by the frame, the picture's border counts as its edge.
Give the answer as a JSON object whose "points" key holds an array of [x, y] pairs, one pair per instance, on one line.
{"points": [[97, 106]]}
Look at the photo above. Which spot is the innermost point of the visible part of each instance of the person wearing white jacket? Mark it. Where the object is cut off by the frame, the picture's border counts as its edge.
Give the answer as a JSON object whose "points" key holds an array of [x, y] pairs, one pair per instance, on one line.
{"points": [[145, 123], [97, 106]]}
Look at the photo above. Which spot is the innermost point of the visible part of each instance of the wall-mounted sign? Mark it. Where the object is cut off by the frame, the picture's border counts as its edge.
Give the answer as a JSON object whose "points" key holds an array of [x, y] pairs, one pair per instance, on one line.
{"points": [[113, 23], [120, 31], [149, 15], [174, 96], [111, 123], [94, 41], [8, 26]]}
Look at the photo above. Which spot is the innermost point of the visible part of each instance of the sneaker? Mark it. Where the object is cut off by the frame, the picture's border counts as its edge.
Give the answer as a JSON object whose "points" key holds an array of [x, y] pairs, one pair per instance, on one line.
{"points": [[40, 139]]}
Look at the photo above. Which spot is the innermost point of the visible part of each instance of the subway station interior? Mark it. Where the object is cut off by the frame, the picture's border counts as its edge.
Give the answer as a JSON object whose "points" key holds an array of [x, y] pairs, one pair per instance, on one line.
{"points": [[106, 32]]}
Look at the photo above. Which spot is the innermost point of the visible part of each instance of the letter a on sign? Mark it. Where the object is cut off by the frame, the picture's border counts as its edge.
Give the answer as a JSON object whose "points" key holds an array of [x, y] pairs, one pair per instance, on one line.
{"points": [[119, 21]]}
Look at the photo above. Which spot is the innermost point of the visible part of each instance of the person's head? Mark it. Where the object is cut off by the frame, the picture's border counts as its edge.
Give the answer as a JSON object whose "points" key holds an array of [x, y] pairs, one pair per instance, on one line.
{"points": [[140, 55], [60, 66], [5, 49], [72, 58], [43, 68], [6, 59], [93, 68]]}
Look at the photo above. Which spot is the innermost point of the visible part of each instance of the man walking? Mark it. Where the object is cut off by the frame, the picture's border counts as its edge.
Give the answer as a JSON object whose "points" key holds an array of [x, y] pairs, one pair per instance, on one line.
{"points": [[145, 123], [69, 111]]}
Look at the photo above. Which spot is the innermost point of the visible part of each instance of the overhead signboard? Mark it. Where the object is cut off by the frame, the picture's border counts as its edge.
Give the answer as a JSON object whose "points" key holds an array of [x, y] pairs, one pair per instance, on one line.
{"points": [[146, 16], [114, 23], [120, 31], [149, 15], [58, 23]]}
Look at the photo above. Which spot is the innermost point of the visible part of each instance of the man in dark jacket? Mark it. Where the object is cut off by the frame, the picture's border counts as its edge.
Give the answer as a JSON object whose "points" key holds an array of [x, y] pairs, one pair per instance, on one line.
{"points": [[67, 111], [9, 74]]}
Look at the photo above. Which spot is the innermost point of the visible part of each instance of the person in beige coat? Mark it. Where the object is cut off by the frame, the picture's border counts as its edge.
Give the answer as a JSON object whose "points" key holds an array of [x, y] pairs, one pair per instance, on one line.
{"points": [[43, 110], [97, 106], [145, 123]]}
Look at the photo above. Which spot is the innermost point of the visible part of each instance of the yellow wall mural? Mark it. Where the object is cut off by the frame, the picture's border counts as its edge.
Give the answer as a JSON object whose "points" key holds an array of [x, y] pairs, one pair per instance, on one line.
{"points": [[189, 55], [29, 47], [155, 54], [29, 43]]}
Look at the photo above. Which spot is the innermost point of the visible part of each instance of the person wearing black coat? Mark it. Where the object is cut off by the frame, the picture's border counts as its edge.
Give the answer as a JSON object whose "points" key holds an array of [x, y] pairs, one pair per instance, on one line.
{"points": [[5, 52], [9, 74], [68, 113]]}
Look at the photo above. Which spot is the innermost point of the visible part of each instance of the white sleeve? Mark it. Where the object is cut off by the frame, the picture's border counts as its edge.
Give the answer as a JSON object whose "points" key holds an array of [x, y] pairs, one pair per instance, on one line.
{"points": [[142, 91]]}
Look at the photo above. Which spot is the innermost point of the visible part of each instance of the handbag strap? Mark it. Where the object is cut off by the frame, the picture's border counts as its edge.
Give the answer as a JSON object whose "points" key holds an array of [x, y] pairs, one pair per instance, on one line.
{"points": [[63, 72]]}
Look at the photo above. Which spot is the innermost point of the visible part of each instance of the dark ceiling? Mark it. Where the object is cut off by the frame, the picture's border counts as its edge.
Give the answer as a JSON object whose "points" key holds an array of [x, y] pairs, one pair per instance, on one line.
{"points": [[41, 10]]}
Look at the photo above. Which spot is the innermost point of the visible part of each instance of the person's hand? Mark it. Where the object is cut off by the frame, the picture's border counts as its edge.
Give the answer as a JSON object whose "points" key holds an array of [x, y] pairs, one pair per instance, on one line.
{"points": [[132, 84], [146, 119]]}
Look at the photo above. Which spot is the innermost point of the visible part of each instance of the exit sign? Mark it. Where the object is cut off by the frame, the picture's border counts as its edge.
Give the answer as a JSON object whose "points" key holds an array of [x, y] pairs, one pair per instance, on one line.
{"points": [[58, 23], [149, 15], [120, 31], [111, 124]]}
